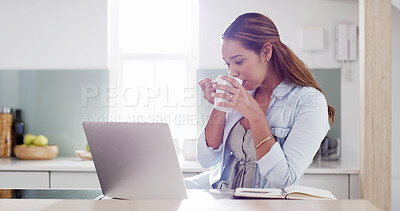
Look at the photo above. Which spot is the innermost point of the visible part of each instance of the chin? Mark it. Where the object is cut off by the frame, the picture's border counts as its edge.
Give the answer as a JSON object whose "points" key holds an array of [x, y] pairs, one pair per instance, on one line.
{"points": [[250, 86], [247, 86]]}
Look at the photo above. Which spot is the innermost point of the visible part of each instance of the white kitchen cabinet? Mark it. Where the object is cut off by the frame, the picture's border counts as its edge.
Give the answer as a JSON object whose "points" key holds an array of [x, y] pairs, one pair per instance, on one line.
{"points": [[336, 176], [338, 184], [354, 186], [74, 180], [343, 186], [24, 179], [341, 178]]}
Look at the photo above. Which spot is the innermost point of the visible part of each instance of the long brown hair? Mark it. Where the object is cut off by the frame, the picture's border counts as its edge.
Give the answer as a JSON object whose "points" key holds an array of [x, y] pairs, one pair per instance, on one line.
{"points": [[253, 30]]}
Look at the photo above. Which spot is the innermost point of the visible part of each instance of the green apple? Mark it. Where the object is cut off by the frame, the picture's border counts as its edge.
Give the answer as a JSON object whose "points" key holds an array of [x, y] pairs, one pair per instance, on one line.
{"points": [[40, 140], [87, 147], [28, 139]]}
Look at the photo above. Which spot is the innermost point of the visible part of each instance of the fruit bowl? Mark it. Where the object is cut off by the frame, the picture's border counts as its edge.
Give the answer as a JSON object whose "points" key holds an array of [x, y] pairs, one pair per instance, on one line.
{"points": [[24, 152]]}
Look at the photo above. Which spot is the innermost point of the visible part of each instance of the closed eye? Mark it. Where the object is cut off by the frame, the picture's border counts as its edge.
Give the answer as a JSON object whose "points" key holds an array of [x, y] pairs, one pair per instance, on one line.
{"points": [[227, 64], [239, 62]]}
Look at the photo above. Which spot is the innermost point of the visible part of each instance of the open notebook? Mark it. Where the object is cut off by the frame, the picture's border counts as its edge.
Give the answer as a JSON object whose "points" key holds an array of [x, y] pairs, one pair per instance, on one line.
{"points": [[292, 192]]}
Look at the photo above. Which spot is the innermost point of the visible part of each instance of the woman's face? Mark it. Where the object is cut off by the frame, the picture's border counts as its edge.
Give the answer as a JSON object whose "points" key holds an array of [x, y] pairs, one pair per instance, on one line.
{"points": [[244, 64]]}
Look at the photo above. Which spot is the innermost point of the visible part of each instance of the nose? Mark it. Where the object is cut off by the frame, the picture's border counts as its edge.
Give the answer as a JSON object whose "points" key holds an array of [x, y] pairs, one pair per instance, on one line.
{"points": [[234, 73]]}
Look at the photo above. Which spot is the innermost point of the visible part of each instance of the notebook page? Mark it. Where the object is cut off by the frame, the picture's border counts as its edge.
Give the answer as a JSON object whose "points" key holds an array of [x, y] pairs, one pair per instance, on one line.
{"points": [[295, 191], [259, 193]]}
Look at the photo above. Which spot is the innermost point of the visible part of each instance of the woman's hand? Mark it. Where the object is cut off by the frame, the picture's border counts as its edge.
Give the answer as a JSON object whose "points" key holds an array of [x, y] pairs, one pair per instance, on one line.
{"points": [[208, 87], [239, 99]]}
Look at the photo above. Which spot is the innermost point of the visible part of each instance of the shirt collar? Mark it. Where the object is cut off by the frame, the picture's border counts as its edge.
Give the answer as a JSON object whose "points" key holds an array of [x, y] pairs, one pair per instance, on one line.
{"points": [[283, 88]]}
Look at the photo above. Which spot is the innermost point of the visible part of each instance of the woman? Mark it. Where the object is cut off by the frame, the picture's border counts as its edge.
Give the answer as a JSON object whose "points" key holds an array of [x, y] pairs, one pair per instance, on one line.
{"points": [[280, 114]]}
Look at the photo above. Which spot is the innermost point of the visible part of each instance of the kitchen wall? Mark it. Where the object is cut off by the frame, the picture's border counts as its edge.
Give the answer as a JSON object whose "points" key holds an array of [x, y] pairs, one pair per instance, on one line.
{"points": [[53, 34], [55, 102], [395, 108], [289, 16]]}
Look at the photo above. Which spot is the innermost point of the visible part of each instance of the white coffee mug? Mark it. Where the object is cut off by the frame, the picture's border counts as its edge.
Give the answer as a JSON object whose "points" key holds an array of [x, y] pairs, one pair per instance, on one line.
{"points": [[219, 80]]}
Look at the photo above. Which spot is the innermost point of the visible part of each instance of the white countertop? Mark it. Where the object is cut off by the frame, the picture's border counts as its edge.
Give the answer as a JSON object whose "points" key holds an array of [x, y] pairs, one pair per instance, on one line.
{"points": [[75, 164], [333, 167], [57, 164], [71, 164]]}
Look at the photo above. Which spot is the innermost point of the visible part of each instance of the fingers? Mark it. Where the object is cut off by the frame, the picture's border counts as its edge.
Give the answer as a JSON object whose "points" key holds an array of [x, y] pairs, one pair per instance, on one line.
{"points": [[227, 88], [226, 104], [224, 95], [209, 89], [204, 82]]}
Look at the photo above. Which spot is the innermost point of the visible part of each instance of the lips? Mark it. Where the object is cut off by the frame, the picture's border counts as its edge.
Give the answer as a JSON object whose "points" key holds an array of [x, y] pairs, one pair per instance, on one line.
{"points": [[244, 84]]}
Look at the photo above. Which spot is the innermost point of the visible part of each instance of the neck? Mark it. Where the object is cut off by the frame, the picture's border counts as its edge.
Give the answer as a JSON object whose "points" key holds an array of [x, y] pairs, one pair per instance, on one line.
{"points": [[271, 81]]}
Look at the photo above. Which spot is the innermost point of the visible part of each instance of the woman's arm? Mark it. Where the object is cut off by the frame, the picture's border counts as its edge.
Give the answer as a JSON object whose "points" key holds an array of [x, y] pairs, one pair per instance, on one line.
{"points": [[214, 130], [209, 143], [283, 166], [260, 130], [211, 137], [215, 125]]}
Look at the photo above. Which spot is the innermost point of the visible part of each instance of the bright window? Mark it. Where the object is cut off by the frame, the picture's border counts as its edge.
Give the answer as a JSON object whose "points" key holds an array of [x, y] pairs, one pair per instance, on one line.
{"points": [[155, 26], [154, 69]]}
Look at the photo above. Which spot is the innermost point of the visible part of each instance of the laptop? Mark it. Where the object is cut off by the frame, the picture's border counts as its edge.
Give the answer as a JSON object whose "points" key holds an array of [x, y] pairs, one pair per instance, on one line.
{"points": [[135, 160]]}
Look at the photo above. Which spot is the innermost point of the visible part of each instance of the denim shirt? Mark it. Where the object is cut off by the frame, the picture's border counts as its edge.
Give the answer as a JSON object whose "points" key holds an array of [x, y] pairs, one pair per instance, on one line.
{"points": [[298, 118]]}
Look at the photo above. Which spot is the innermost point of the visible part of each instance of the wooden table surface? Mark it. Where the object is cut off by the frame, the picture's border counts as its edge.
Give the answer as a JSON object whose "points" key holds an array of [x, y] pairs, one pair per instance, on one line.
{"points": [[197, 200], [187, 204]]}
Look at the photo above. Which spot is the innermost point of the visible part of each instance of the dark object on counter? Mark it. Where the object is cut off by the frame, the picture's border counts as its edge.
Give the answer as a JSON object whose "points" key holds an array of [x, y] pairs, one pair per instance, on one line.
{"points": [[5, 132], [18, 129], [333, 143], [325, 147], [329, 149]]}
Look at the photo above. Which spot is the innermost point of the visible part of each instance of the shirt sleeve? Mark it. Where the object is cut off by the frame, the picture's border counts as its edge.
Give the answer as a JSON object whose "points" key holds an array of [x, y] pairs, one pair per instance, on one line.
{"points": [[284, 166], [207, 156]]}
